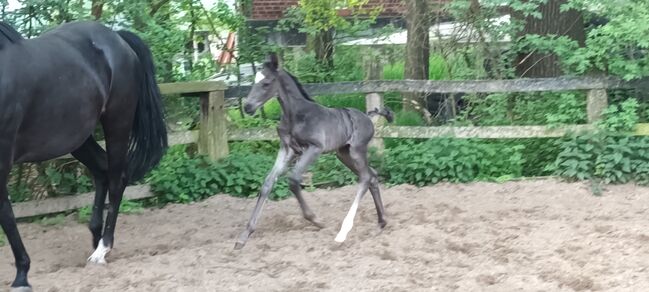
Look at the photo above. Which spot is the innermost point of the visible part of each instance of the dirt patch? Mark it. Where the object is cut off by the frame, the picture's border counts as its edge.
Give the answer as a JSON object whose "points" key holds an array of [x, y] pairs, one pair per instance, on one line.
{"points": [[533, 235]]}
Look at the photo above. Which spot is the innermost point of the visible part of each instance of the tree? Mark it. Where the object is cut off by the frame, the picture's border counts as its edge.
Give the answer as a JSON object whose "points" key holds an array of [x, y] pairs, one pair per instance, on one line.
{"points": [[321, 20], [417, 49], [548, 20]]}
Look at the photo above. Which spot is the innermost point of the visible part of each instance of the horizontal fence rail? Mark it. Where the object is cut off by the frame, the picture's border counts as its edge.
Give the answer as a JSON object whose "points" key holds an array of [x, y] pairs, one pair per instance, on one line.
{"points": [[468, 86]]}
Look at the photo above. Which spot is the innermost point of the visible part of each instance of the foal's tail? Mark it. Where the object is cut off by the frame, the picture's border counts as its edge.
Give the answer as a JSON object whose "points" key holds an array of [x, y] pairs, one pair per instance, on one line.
{"points": [[385, 112], [148, 141]]}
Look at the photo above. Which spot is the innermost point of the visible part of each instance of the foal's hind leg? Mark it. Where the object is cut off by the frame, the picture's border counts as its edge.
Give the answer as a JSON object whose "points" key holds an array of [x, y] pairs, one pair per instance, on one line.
{"points": [[295, 179], [8, 223], [344, 156], [94, 158], [356, 159]]}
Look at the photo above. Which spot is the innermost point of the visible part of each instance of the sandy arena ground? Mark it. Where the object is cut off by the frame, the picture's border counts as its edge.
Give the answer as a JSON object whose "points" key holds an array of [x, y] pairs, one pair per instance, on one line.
{"points": [[519, 236]]}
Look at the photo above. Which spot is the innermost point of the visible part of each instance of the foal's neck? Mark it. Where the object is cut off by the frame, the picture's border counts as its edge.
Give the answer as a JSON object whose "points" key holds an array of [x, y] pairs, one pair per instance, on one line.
{"points": [[291, 99]]}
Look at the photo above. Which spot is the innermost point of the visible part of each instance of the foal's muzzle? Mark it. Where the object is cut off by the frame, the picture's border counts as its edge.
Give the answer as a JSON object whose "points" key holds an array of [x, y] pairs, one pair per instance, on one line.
{"points": [[249, 109]]}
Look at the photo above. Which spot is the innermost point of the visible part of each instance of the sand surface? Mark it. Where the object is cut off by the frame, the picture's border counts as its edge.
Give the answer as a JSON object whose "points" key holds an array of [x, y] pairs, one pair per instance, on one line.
{"points": [[540, 235]]}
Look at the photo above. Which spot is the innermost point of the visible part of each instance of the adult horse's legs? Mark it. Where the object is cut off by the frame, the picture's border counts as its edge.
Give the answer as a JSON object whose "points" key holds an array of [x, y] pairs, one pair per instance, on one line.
{"points": [[94, 158], [295, 179], [356, 159], [117, 137], [284, 156], [8, 223]]}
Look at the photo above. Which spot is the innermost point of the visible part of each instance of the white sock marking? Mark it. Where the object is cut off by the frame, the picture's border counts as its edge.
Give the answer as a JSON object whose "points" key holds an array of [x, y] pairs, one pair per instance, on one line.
{"points": [[98, 257], [349, 220]]}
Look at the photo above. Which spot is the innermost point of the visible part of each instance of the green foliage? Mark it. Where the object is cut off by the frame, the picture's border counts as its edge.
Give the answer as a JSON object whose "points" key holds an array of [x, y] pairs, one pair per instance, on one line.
{"points": [[454, 160], [125, 207], [408, 118], [524, 109], [620, 118], [65, 179], [183, 178], [609, 154], [437, 70], [260, 147], [52, 220], [611, 159], [329, 171]]}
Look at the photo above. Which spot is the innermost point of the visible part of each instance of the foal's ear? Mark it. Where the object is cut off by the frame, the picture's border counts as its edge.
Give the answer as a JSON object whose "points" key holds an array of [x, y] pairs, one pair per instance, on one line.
{"points": [[273, 61]]}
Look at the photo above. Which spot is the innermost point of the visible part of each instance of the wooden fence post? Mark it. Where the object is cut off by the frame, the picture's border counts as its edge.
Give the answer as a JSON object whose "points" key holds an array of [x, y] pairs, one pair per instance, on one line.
{"points": [[213, 136], [597, 101], [374, 71]]}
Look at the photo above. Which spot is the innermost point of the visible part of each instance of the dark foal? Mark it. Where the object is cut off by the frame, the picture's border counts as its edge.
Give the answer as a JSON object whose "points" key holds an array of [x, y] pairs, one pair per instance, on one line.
{"points": [[307, 130], [54, 90]]}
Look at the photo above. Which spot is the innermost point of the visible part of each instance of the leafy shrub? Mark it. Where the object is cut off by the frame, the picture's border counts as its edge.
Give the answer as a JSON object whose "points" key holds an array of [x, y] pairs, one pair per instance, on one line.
{"points": [[329, 171], [576, 161], [620, 118], [612, 159], [454, 160], [183, 178]]}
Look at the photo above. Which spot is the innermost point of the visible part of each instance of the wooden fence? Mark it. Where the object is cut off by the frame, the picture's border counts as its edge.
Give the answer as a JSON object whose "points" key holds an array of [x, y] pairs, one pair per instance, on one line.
{"points": [[213, 139], [213, 136]]}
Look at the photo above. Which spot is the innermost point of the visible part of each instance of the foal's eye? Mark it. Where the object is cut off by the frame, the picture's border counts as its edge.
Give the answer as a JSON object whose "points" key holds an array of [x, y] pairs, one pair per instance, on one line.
{"points": [[265, 84]]}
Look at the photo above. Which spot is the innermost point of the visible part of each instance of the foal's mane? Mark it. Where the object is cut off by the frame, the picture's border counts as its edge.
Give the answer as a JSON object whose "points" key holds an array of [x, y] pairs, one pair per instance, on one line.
{"points": [[299, 86], [8, 35]]}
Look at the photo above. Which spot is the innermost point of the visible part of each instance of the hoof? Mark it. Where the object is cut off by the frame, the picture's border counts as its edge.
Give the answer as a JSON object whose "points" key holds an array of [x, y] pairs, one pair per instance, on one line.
{"points": [[97, 261], [314, 221], [99, 256], [340, 238], [382, 224], [239, 245], [21, 289]]}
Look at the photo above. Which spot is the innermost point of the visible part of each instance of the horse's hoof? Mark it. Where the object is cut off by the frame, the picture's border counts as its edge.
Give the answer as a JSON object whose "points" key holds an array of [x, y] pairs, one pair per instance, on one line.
{"points": [[316, 223], [382, 224], [239, 245], [97, 261], [99, 256], [21, 289]]}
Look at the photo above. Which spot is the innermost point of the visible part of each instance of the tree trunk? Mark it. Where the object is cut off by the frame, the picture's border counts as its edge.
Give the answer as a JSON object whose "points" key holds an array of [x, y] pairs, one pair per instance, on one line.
{"points": [[553, 22], [97, 9], [417, 50], [323, 44]]}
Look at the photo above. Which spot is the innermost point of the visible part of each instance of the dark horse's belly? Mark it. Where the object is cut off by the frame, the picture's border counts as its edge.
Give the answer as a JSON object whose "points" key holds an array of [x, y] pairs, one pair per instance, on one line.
{"points": [[62, 132]]}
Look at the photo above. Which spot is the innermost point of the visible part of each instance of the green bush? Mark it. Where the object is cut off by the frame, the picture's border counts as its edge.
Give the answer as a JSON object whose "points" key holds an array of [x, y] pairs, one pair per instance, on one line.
{"points": [[330, 172], [183, 178], [454, 160]]}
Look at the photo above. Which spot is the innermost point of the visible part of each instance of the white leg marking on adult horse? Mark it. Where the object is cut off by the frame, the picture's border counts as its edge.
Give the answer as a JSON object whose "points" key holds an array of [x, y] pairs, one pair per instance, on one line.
{"points": [[21, 289], [98, 257], [349, 220]]}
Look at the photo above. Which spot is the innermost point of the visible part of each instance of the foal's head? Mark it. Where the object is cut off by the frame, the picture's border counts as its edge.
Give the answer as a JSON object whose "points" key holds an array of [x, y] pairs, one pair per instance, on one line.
{"points": [[265, 87]]}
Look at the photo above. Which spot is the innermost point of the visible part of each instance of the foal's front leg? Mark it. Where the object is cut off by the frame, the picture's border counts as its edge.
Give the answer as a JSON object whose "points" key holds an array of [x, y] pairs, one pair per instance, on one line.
{"points": [[295, 179], [284, 156]]}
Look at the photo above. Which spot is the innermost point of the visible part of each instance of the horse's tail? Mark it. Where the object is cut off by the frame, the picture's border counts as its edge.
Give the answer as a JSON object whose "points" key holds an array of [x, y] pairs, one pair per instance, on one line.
{"points": [[148, 141], [385, 112]]}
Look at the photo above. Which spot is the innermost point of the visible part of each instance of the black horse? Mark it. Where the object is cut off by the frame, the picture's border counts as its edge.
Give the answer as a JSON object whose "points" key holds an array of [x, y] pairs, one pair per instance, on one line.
{"points": [[54, 89]]}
